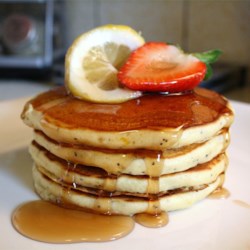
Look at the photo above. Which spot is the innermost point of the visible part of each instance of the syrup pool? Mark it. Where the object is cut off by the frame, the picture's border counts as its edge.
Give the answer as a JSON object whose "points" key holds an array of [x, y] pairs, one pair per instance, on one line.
{"points": [[46, 222], [151, 220]]}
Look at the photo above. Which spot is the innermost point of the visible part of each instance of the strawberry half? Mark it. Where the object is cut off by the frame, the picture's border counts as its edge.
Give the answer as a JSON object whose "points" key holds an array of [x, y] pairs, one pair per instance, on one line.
{"points": [[160, 67]]}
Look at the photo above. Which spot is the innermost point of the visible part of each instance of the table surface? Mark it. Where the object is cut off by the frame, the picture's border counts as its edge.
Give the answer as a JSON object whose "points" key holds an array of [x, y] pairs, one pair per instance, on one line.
{"points": [[13, 89], [210, 224]]}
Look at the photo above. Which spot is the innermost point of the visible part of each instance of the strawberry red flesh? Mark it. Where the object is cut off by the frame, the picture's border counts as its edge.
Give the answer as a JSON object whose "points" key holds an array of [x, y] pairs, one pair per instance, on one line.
{"points": [[160, 67]]}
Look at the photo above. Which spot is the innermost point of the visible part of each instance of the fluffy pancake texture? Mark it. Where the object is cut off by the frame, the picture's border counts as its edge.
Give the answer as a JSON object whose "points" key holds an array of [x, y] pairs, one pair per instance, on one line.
{"points": [[140, 162], [152, 121], [155, 153], [85, 176], [126, 205]]}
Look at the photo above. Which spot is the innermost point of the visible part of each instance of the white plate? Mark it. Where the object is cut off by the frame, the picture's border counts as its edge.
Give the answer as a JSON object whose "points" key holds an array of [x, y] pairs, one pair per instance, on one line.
{"points": [[210, 224]]}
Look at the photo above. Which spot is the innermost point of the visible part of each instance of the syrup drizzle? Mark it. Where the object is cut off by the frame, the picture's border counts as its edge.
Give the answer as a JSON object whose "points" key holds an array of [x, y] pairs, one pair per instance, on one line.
{"points": [[153, 185], [152, 220], [103, 205], [156, 112], [154, 166], [109, 184], [61, 225], [153, 216], [219, 193], [198, 106], [43, 221]]}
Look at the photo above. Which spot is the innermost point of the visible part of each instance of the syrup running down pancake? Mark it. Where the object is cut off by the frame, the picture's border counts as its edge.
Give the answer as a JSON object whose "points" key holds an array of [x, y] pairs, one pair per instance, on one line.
{"points": [[154, 154], [129, 136], [152, 121]]}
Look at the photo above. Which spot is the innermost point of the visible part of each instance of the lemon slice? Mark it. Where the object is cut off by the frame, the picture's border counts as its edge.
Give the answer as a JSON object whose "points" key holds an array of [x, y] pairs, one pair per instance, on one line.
{"points": [[93, 60]]}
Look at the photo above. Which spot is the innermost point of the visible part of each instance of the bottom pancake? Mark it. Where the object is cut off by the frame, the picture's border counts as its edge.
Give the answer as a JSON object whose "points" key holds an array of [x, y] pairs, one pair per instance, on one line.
{"points": [[122, 204]]}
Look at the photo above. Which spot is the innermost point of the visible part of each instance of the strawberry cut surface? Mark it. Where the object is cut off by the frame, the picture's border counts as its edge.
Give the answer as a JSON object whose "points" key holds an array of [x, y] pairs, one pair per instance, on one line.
{"points": [[160, 67]]}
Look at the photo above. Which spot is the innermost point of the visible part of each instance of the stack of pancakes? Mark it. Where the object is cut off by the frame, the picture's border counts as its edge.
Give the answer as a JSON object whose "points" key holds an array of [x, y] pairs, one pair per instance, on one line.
{"points": [[147, 155]]}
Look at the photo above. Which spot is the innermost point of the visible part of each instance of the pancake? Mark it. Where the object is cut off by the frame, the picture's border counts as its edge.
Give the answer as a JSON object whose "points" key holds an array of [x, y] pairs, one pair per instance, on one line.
{"points": [[80, 176], [136, 162], [153, 121], [126, 205], [151, 154]]}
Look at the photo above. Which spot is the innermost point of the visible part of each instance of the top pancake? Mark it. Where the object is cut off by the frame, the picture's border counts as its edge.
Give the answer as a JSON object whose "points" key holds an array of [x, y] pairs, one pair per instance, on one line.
{"points": [[152, 121]]}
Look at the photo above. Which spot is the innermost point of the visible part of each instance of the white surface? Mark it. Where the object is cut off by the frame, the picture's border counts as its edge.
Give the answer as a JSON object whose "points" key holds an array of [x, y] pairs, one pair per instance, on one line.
{"points": [[210, 224]]}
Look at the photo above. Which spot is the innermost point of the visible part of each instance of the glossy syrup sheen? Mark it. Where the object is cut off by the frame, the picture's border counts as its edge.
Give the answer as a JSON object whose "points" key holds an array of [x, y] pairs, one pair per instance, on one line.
{"points": [[43, 221], [152, 111], [59, 225], [219, 193], [152, 220], [46, 222]]}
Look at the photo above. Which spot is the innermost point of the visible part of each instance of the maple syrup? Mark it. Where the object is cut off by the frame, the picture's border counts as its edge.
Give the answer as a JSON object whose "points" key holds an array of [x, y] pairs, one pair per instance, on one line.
{"points": [[46, 222], [152, 111], [43, 221], [219, 193], [152, 220]]}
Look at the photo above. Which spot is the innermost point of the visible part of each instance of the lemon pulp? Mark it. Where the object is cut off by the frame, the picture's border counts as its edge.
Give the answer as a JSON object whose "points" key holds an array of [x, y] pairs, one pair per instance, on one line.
{"points": [[93, 61]]}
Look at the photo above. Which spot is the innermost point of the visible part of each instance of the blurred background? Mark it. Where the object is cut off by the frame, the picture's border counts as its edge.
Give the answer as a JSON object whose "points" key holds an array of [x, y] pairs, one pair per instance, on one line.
{"points": [[35, 35]]}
